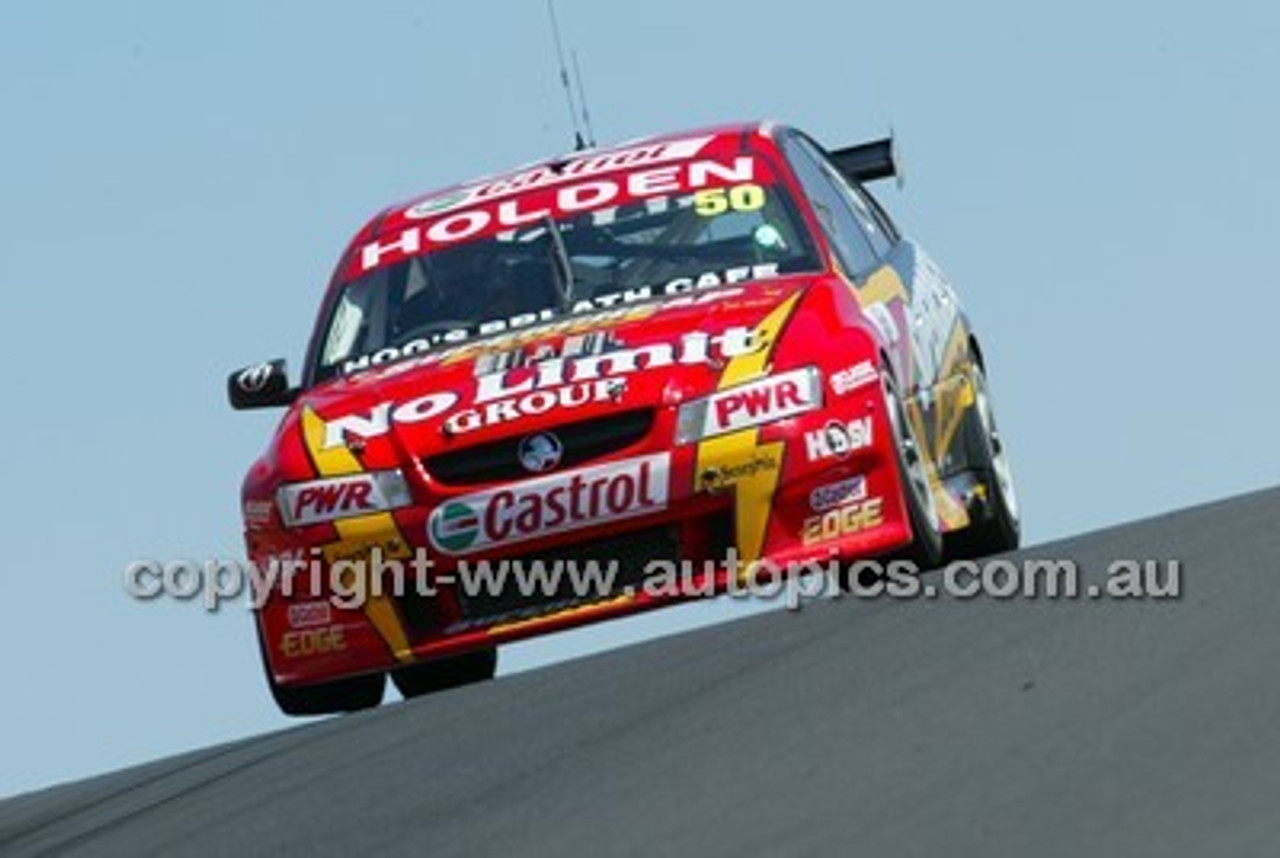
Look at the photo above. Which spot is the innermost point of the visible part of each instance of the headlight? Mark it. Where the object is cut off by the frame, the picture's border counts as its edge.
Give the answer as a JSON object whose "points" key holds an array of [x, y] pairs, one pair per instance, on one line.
{"points": [[752, 404], [341, 497]]}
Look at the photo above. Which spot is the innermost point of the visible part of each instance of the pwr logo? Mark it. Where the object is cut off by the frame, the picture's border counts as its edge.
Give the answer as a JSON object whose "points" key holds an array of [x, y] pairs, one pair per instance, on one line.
{"points": [[760, 402], [317, 501]]}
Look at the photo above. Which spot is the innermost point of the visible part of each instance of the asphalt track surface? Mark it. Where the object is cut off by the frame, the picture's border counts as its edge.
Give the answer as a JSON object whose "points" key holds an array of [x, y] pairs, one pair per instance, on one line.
{"points": [[981, 727]]}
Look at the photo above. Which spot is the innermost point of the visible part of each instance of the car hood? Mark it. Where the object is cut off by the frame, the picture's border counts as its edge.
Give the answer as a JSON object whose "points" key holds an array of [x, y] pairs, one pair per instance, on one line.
{"points": [[633, 357]]}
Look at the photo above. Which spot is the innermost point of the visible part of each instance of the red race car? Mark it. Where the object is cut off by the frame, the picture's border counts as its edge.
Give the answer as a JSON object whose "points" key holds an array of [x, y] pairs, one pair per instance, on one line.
{"points": [[687, 362]]}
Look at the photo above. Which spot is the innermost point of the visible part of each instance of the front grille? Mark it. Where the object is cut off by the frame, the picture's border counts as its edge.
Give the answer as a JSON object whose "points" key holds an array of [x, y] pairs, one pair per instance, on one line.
{"points": [[698, 539], [581, 441], [631, 553]]}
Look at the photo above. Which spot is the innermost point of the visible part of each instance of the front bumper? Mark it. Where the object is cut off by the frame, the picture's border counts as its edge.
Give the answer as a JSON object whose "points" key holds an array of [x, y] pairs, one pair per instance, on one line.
{"points": [[390, 589]]}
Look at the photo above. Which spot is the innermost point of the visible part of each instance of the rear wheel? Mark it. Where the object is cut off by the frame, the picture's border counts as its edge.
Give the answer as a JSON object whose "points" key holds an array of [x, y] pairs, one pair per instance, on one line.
{"points": [[444, 673], [997, 527]]}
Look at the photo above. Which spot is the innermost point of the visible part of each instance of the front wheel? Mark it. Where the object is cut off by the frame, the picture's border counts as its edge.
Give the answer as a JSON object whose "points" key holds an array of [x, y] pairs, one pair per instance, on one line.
{"points": [[444, 673], [341, 695], [925, 550]]}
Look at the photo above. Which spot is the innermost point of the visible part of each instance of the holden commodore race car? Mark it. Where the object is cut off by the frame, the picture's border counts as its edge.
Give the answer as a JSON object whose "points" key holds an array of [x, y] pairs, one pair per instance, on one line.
{"points": [[711, 349]]}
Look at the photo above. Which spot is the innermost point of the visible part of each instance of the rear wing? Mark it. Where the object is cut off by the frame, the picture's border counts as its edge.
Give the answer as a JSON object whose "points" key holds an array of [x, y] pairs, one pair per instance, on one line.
{"points": [[869, 162]]}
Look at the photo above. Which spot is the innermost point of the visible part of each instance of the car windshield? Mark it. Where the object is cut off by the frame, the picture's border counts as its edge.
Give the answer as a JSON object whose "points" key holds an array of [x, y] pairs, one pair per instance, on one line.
{"points": [[558, 263]]}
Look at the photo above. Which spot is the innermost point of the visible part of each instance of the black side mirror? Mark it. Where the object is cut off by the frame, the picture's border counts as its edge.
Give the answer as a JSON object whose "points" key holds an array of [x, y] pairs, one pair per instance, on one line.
{"points": [[263, 385]]}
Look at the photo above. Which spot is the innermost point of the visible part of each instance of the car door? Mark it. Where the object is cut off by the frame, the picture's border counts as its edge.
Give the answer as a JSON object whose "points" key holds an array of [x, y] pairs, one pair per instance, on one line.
{"points": [[902, 292], [862, 249]]}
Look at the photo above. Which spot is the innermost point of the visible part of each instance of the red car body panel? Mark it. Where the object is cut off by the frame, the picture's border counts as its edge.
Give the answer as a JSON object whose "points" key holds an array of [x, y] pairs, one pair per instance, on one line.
{"points": [[755, 484]]}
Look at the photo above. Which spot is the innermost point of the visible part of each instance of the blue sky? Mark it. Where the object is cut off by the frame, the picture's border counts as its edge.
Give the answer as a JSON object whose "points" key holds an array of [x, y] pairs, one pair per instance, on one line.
{"points": [[176, 182]]}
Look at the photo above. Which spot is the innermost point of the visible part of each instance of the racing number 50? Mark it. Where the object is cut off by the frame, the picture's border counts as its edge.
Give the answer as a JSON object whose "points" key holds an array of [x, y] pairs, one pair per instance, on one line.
{"points": [[739, 198]]}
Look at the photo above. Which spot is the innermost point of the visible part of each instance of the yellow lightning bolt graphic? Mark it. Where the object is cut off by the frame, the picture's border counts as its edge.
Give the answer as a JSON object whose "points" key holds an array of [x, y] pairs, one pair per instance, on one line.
{"points": [[753, 493], [358, 536]]}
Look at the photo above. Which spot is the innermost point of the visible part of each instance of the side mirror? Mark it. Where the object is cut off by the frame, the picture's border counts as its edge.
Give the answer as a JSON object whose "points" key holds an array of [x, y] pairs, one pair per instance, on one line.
{"points": [[263, 385]]}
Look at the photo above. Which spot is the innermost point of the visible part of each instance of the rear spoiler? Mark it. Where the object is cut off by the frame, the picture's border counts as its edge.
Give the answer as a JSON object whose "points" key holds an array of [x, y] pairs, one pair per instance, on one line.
{"points": [[869, 162]]}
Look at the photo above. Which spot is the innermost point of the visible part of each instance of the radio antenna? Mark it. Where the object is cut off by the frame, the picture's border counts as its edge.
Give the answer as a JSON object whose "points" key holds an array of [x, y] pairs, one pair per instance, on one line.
{"points": [[579, 142], [582, 100]]}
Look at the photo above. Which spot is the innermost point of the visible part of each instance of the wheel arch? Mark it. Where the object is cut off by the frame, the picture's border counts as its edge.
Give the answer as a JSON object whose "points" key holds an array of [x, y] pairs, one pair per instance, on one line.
{"points": [[976, 349]]}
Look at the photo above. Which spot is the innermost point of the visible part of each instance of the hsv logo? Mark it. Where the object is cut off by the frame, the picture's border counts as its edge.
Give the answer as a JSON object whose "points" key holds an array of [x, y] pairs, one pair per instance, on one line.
{"points": [[553, 504], [837, 440], [341, 497], [752, 404]]}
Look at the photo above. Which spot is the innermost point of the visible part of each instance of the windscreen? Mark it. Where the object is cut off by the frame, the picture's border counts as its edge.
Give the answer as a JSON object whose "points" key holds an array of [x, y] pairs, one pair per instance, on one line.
{"points": [[454, 269]]}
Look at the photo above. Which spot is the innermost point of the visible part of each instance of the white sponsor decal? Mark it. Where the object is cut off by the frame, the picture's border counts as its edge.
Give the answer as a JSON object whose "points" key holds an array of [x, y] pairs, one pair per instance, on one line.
{"points": [[545, 176], [837, 494], [553, 504], [257, 513], [693, 348], [837, 439], [583, 197], [535, 403], [563, 325], [308, 615], [378, 421], [753, 404], [557, 381], [851, 378], [613, 308], [389, 354], [341, 497]]}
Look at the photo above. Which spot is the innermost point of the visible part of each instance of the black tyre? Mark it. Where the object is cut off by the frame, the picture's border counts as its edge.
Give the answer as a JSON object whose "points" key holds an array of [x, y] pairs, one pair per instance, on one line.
{"points": [[343, 695], [442, 674], [997, 526], [925, 549]]}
